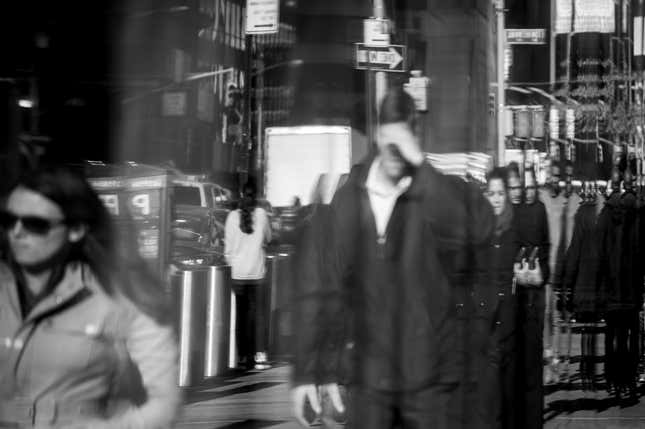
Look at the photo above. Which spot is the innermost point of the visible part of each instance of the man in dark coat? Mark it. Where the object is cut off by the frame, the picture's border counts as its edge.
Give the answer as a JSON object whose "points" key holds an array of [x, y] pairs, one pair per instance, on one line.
{"points": [[386, 312]]}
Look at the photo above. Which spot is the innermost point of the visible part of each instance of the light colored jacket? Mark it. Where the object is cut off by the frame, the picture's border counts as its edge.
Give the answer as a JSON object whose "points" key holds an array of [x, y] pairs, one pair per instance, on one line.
{"points": [[554, 208], [62, 365], [245, 253]]}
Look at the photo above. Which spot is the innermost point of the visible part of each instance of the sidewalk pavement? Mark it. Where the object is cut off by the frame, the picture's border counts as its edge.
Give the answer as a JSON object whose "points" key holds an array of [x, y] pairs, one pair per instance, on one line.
{"points": [[255, 399], [260, 399]]}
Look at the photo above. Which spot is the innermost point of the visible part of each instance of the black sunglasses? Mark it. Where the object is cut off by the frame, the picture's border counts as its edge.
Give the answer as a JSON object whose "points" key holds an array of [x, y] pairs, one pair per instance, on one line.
{"points": [[32, 224]]}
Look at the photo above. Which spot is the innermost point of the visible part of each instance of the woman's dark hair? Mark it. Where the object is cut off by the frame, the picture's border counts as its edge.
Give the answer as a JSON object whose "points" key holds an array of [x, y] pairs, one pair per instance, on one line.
{"points": [[500, 173], [398, 106], [114, 258], [248, 203]]}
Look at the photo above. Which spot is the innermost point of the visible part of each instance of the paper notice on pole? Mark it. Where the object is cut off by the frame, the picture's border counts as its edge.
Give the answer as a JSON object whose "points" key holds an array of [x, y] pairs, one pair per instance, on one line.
{"points": [[262, 16], [590, 16], [376, 32], [638, 36]]}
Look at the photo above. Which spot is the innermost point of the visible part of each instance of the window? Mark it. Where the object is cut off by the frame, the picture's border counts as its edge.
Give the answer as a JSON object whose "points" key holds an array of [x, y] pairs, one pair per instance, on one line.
{"points": [[187, 195], [214, 195]]}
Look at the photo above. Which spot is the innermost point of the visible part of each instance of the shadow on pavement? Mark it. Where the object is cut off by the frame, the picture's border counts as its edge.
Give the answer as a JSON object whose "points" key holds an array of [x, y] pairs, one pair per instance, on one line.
{"points": [[581, 402], [253, 424], [192, 396]]}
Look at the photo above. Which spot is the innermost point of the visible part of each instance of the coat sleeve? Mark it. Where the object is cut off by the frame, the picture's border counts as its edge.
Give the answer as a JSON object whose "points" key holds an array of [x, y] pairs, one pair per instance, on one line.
{"points": [[267, 227], [228, 236], [602, 279], [571, 265], [152, 349], [461, 215], [544, 242], [321, 268]]}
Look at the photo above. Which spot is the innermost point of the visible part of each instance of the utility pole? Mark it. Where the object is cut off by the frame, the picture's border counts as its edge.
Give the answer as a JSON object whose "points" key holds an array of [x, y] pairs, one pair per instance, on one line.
{"points": [[381, 78], [501, 101], [552, 38], [247, 140], [259, 97]]}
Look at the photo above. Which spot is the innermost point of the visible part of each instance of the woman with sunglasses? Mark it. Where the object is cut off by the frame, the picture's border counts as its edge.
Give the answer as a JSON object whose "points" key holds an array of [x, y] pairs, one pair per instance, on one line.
{"points": [[85, 340]]}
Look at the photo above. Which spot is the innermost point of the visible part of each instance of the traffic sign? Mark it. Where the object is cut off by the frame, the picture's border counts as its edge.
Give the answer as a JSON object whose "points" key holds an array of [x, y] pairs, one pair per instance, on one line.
{"points": [[389, 58], [376, 32], [526, 36], [262, 16]]}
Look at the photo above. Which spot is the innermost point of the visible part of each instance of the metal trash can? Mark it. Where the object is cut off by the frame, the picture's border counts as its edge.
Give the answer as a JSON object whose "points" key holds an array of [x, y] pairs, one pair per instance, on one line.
{"points": [[282, 329], [278, 279], [189, 289], [218, 319], [271, 282]]}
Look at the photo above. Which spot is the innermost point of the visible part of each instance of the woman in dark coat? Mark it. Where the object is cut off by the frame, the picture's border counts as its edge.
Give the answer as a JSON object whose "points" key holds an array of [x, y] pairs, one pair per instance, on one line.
{"points": [[497, 388]]}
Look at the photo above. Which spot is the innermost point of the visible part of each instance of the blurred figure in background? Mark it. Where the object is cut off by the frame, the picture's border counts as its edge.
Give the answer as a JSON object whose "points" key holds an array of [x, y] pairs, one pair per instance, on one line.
{"points": [[561, 207], [498, 386], [514, 183], [376, 300], [85, 332], [533, 229], [248, 231]]}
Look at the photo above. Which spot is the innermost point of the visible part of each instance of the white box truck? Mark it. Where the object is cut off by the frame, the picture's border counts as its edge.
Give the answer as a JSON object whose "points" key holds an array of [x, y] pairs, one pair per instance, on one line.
{"points": [[298, 160]]}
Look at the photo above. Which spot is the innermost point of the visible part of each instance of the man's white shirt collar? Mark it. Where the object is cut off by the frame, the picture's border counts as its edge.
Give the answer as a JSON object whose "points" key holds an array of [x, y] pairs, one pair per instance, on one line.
{"points": [[383, 196]]}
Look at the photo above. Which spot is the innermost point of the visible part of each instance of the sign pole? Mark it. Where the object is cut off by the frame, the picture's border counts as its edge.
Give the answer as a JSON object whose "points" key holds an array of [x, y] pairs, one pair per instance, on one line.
{"points": [[248, 138], [369, 127], [261, 17], [501, 35], [380, 78], [552, 53]]}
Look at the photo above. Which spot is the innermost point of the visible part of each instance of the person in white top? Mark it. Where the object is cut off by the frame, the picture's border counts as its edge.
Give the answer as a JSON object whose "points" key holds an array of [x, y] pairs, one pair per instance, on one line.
{"points": [[247, 232]]}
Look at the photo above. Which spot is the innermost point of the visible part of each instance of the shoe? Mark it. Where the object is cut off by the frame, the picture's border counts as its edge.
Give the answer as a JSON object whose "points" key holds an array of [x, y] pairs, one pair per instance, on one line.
{"points": [[261, 361]]}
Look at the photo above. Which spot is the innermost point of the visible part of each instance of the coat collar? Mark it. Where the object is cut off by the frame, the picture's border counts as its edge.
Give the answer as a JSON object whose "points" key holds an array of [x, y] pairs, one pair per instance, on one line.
{"points": [[8, 283], [421, 177], [76, 280], [71, 285]]}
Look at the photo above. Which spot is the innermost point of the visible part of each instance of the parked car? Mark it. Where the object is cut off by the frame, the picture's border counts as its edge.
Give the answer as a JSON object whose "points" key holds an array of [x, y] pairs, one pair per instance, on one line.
{"points": [[199, 214]]}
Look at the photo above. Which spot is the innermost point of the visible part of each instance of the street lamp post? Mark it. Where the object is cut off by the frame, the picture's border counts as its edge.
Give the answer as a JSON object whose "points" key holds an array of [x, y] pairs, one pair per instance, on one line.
{"points": [[256, 151], [501, 46]]}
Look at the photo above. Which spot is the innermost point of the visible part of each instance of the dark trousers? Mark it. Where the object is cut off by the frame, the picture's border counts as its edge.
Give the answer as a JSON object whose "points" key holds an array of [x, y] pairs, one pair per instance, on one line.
{"points": [[496, 390], [436, 407], [621, 348], [250, 320], [530, 348]]}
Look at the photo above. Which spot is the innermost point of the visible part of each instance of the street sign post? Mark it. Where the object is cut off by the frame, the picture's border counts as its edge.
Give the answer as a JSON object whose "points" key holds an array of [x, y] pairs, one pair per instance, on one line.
{"points": [[262, 16], [376, 32], [526, 36], [390, 58]]}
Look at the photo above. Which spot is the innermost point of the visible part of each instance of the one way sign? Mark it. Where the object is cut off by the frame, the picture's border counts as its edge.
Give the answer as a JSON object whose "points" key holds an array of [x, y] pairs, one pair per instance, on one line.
{"points": [[380, 58]]}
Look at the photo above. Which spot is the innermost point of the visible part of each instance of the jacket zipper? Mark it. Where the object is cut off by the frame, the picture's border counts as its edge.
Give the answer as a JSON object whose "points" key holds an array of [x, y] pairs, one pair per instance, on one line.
{"points": [[380, 246]]}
